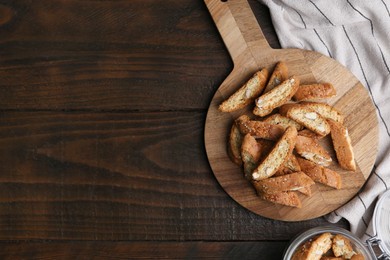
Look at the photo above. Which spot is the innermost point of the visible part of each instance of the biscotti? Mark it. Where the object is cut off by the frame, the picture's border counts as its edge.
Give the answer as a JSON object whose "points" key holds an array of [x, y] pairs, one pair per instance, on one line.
{"points": [[308, 118], [290, 165], [342, 145], [250, 153], [260, 129], [314, 91], [320, 174], [247, 93], [341, 246], [276, 96], [287, 198], [315, 248], [234, 145], [278, 155], [279, 74], [325, 110], [308, 133], [288, 182], [283, 121], [311, 150]]}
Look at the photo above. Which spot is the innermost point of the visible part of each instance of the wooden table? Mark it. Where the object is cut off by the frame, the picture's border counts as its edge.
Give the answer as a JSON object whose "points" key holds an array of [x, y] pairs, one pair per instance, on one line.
{"points": [[102, 154]]}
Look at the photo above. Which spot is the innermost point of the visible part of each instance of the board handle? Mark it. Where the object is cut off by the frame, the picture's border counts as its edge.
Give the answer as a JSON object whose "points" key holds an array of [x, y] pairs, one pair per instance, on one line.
{"points": [[237, 25]]}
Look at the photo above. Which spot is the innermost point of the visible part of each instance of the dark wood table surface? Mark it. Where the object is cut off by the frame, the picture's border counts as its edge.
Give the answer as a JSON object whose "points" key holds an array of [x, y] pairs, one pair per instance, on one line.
{"points": [[102, 156]]}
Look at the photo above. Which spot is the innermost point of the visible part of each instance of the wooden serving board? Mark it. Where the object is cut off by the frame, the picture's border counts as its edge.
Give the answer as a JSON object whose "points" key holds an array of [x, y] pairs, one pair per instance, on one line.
{"points": [[250, 52]]}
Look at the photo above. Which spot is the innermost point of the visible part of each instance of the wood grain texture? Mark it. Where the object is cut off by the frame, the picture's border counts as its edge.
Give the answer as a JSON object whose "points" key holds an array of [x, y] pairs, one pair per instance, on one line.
{"points": [[117, 176], [102, 111], [105, 54], [143, 250], [250, 52]]}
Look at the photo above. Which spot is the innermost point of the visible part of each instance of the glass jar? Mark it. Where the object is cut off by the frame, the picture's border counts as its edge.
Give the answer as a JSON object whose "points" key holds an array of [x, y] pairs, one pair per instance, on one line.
{"points": [[381, 227]]}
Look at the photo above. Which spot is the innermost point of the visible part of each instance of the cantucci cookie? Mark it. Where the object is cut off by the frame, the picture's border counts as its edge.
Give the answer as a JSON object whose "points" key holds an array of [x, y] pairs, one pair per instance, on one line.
{"points": [[311, 150], [315, 248], [288, 182], [276, 97], [308, 133], [279, 74], [287, 198], [320, 174], [250, 154], [260, 129], [234, 145], [247, 93], [342, 145], [283, 121], [308, 118], [290, 165], [278, 155], [314, 91], [341, 246], [325, 110]]}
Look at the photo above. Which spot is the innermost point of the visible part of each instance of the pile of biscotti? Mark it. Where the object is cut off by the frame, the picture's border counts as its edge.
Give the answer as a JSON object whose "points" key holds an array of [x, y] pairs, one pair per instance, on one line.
{"points": [[327, 246], [278, 144]]}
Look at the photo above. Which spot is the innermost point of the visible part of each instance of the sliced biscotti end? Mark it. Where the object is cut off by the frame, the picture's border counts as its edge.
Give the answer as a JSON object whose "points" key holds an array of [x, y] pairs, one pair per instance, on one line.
{"points": [[341, 246], [276, 97], [251, 152], [289, 182], [278, 155], [283, 121], [314, 91], [320, 174], [260, 129], [234, 145], [312, 150], [247, 93], [308, 118], [279, 74], [286, 198], [342, 145], [325, 110]]}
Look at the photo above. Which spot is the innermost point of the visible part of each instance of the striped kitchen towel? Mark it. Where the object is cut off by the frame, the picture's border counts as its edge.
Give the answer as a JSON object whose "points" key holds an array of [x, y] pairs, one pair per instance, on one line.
{"points": [[357, 34]]}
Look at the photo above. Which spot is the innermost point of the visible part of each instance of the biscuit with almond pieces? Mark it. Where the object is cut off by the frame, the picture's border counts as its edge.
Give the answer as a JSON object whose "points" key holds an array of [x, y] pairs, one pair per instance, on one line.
{"points": [[312, 150], [341, 246], [260, 129], [321, 174], [283, 121], [314, 91], [278, 155], [250, 153], [325, 110], [342, 145], [308, 118], [276, 97], [279, 74], [288, 182], [315, 248], [286, 198], [247, 93]]}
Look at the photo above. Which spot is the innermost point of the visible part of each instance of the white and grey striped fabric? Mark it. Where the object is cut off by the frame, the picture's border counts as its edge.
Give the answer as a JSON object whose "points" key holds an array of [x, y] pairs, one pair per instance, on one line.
{"points": [[357, 34]]}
